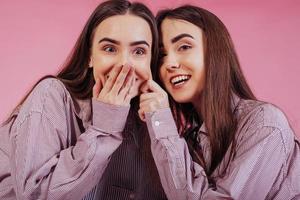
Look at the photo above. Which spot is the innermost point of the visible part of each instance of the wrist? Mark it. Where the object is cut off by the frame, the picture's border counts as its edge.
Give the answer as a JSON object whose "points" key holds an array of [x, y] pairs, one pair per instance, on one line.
{"points": [[109, 117]]}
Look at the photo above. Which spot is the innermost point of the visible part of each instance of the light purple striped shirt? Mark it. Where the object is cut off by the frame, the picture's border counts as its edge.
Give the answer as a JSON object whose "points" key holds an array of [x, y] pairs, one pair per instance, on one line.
{"points": [[45, 155], [266, 164]]}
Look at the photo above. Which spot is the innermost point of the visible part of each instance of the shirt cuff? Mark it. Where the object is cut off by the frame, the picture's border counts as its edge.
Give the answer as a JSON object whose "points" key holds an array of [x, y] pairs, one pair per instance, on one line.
{"points": [[161, 124], [109, 118]]}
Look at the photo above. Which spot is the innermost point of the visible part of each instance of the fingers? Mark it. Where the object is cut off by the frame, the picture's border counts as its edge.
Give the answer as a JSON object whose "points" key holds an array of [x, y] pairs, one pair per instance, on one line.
{"points": [[157, 94], [147, 106], [146, 96], [132, 91], [112, 78], [117, 90], [152, 101], [151, 86], [155, 87], [142, 115], [144, 87], [126, 91], [121, 79], [96, 88]]}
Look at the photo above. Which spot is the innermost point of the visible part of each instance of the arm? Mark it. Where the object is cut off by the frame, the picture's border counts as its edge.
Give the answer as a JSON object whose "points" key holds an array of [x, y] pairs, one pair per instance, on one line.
{"points": [[43, 165], [251, 174]]}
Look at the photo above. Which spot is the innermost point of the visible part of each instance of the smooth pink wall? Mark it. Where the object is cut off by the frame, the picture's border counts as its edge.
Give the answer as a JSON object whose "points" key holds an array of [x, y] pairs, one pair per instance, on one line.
{"points": [[36, 37]]}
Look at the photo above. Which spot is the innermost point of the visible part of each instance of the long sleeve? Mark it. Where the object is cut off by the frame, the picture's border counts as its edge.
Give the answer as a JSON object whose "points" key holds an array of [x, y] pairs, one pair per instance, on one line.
{"points": [[44, 166], [260, 159]]}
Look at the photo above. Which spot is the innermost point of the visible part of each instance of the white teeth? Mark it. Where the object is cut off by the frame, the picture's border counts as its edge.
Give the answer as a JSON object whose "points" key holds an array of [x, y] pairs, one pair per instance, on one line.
{"points": [[180, 78]]}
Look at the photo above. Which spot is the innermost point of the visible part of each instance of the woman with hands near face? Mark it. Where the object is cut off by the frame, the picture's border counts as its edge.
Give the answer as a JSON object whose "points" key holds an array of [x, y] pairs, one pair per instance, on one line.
{"points": [[77, 135], [215, 140], [118, 88]]}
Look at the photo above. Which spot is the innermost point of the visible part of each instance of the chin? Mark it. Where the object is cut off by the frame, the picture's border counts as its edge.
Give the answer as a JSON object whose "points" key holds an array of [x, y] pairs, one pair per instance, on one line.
{"points": [[181, 99]]}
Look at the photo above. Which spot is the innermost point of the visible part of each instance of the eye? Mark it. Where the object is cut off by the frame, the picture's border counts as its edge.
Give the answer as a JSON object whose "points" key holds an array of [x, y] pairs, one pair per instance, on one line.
{"points": [[184, 47], [109, 49], [139, 51]]}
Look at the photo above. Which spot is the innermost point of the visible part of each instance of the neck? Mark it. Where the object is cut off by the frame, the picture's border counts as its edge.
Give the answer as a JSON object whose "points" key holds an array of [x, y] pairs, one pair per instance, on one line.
{"points": [[197, 104]]}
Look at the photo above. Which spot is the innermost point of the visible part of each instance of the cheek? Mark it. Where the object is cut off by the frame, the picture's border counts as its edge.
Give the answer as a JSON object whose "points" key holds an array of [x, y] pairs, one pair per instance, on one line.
{"points": [[143, 71], [163, 77], [99, 73], [199, 74], [101, 68]]}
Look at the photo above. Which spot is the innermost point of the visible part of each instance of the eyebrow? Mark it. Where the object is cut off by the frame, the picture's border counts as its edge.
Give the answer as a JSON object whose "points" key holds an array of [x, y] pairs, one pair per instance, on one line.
{"points": [[139, 42], [179, 37], [118, 43], [109, 40]]}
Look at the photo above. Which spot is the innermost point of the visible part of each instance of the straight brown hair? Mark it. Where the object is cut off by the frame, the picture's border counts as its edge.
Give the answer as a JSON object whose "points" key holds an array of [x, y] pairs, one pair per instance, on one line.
{"points": [[224, 78], [76, 74]]}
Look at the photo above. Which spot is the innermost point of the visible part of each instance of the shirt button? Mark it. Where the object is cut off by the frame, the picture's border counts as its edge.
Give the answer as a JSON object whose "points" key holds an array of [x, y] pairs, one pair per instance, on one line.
{"points": [[131, 196], [156, 123]]}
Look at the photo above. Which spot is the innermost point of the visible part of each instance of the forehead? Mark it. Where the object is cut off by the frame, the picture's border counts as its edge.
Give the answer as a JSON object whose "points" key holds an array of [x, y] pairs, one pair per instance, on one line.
{"points": [[124, 28], [173, 27]]}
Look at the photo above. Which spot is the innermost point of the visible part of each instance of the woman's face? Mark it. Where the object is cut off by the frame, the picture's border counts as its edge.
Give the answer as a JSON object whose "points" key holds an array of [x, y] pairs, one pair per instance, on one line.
{"points": [[122, 40], [182, 71]]}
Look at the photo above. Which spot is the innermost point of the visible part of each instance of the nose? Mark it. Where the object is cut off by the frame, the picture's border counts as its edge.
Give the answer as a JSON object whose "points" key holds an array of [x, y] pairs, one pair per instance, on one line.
{"points": [[171, 63], [125, 59]]}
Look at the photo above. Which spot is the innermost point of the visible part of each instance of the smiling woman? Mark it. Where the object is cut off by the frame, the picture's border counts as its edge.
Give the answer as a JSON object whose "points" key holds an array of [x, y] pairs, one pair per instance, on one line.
{"points": [[77, 135], [187, 48], [215, 140]]}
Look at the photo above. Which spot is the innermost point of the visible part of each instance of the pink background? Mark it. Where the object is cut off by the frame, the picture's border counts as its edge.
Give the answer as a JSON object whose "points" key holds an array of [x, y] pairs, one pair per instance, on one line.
{"points": [[36, 37]]}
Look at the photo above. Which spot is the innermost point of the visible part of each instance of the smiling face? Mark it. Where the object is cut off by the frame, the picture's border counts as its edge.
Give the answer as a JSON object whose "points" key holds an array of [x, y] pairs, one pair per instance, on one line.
{"points": [[182, 71], [122, 40]]}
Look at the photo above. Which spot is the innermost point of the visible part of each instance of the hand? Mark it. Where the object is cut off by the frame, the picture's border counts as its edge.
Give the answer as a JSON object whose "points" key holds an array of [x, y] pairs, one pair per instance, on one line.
{"points": [[153, 98], [117, 89]]}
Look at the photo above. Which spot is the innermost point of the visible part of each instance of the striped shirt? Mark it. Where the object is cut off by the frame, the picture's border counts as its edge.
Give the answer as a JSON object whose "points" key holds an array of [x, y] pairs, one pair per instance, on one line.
{"points": [[57, 147], [61, 148], [266, 164]]}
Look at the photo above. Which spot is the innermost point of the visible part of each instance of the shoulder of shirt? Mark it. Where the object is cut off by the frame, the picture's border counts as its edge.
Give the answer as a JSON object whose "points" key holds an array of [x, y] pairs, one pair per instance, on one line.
{"points": [[256, 115], [50, 86], [265, 114], [48, 92]]}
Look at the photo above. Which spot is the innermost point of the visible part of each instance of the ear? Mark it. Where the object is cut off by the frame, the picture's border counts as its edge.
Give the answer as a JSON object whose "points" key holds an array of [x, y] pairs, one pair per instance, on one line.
{"points": [[91, 62]]}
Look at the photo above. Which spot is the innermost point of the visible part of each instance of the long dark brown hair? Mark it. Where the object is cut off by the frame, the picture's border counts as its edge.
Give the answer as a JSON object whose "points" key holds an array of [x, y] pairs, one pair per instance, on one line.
{"points": [[224, 78], [76, 74]]}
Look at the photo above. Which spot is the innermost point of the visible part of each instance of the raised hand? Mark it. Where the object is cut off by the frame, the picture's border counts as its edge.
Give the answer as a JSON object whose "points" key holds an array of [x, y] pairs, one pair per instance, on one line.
{"points": [[153, 98], [117, 89]]}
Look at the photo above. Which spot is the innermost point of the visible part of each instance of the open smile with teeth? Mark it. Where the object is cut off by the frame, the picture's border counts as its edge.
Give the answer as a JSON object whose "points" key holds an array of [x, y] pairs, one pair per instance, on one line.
{"points": [[178, 80]]}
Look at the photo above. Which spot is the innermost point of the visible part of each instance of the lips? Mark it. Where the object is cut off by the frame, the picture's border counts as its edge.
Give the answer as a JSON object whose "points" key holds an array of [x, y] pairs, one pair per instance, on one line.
{"points": [[179, 79]]}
